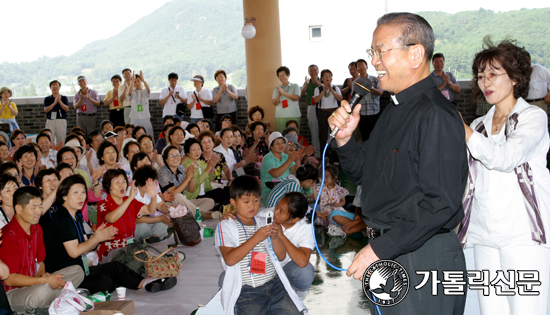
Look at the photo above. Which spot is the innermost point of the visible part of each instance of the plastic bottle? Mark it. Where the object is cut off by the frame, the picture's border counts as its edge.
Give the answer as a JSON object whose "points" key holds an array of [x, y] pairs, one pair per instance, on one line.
{"points": [[198, 217]]}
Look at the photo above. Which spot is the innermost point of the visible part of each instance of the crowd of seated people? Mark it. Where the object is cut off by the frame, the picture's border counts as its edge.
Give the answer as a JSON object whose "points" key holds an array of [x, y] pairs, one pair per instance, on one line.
{"points": [[107, 185]]}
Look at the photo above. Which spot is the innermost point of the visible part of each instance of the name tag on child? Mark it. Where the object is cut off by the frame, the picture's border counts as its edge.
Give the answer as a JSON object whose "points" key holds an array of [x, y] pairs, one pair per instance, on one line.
{"points": [[115, 103], [198, 106], [140, 108], [285, 103], [53, 115], [83, 108], [257, 263]]}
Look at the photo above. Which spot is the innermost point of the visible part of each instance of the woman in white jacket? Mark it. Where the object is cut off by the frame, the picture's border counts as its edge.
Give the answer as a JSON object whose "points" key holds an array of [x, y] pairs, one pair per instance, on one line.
{"points": [[507, 199]]}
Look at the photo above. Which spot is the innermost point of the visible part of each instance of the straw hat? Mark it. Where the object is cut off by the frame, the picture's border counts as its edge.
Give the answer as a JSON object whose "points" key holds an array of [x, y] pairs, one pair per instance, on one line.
{"points": [[2, 90]]}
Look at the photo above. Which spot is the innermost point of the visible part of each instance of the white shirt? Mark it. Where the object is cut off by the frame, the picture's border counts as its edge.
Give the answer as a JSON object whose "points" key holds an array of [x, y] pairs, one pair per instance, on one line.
{"points": [[330, 101], [229, 156], [127, 102], [170, 105], [499, 218], [94, 160], [300, 236], [146, 199], [47, 161], [205, 94], [540, 80]]}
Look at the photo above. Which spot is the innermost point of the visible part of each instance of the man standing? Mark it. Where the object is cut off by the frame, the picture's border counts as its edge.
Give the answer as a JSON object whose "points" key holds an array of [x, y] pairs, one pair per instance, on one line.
{"points": [[308, 89], [85, 102], [370, 104], [445, 81], [171, 96], [348, 83], [538, 86], [412, 170], [123, 96], [56, 107], [29, 286], [112, 99]]}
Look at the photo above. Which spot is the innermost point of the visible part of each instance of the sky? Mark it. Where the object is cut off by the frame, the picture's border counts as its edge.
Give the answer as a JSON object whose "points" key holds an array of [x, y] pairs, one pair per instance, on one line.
{"points": [[62, 27]]}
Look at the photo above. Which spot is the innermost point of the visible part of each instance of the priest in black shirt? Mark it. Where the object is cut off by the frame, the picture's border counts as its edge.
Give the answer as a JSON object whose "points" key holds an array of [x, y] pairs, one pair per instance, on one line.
{"points": [[412, 169]]}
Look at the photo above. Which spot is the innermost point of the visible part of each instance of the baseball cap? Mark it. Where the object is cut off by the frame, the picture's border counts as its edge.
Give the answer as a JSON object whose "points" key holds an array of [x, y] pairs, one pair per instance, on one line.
{"points": [[110, 134], [198, 78], [290, 137]]}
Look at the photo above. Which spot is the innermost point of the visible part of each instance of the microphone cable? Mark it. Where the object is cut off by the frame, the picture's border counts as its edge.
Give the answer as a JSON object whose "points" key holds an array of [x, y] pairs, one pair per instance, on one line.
{"points": [[313, 219]]}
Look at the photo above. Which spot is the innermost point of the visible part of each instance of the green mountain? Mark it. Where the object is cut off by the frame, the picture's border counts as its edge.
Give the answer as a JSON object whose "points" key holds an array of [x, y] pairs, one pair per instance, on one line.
{"points": [[459, 36], [199, 37], [184, 36]]}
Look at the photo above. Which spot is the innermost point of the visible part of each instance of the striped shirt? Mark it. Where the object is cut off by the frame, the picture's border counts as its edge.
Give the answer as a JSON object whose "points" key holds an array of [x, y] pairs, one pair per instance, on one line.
{"points": [[288, 185], [254, 280]]}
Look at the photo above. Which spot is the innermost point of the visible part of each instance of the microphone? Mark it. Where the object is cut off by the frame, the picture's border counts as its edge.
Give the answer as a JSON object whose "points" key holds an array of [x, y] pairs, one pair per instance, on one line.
{"points": [[361, 87]]}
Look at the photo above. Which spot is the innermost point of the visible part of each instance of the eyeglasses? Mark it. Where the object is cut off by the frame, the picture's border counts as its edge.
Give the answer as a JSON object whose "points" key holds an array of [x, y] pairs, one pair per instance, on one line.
{"points": [[174, 156], [380, 53], [491, 76], [146, 143]]}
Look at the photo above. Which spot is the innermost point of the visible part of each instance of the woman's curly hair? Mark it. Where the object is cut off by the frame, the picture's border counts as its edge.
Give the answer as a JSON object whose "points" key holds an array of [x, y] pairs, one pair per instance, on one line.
{"points": [[507, 55]]}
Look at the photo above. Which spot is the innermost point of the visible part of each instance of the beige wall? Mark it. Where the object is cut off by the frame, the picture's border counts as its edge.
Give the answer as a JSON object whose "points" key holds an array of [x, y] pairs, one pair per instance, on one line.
{"points": [[263, 54]]}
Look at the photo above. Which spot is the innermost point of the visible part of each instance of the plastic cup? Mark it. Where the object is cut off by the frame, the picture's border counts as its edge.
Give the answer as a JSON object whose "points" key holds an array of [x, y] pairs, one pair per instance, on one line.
{"points": [[121, 293]]}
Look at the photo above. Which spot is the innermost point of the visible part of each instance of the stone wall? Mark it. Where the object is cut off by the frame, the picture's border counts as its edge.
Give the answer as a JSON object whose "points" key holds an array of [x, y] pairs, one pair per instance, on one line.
{"points": [[32, 118]]}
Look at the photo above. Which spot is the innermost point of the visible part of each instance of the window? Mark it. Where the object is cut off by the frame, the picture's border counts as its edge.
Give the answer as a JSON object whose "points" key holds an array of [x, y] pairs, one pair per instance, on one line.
{"points": [[316, 33]]}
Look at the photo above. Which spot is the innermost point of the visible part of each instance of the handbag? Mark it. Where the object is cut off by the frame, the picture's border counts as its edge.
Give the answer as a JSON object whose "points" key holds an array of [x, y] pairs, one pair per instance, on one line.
{"points": [[126, 256], [160, 266], [69, 302], [207, 111], [186, 229]]}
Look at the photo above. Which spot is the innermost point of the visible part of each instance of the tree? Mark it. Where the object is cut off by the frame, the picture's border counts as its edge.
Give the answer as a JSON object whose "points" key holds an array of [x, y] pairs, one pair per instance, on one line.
{"points": [[32, 90], [239, 78], [73, 89], [24, 92]]}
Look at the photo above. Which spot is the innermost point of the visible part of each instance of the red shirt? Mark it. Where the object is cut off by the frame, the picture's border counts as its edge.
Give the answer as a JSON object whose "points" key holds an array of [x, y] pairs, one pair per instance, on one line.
{"points": [[126, 224], [20, 251], [303, 142]]}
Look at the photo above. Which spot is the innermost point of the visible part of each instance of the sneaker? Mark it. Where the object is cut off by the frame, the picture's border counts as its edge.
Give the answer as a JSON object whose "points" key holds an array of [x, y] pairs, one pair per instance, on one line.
{"points": [[181, 255], [334, 230], [161, 284]]}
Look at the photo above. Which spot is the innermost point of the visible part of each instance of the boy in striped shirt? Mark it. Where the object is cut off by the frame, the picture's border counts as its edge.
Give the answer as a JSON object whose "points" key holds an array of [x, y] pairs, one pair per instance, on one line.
{"points": [[255, 282]]}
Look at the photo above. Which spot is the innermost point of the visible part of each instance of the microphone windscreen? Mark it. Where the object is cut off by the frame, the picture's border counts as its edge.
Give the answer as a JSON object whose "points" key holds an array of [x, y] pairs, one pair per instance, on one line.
{"points": [[362, 86]]}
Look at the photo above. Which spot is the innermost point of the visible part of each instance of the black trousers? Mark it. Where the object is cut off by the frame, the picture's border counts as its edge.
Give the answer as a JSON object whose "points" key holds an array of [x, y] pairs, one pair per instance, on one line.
{"points": [[366, 124], [220, 196], [442, 252], [322, 122], [4, 303], [117, 117], [109, 276]]}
